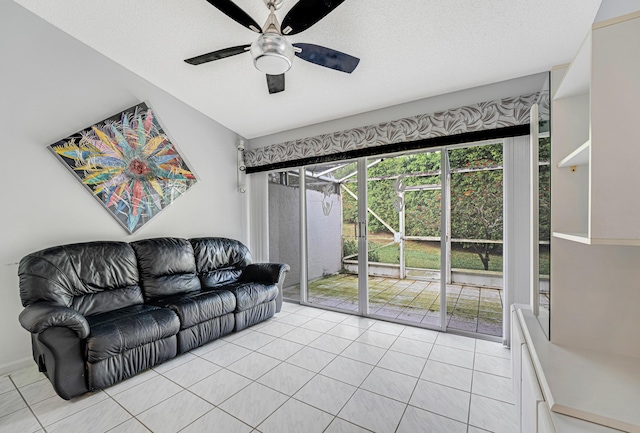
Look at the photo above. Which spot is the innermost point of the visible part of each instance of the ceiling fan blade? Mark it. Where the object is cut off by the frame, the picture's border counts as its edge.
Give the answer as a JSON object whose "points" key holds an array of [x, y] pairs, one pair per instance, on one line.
{"points": [[275, 83], [306, 13], [327, 57], [234, 12], [217, 55]]}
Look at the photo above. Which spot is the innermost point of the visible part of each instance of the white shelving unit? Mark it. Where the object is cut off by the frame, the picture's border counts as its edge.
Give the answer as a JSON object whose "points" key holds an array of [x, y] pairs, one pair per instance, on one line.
{"points": [[596, 137], [583, 237], [577, 79], [580, 156]]}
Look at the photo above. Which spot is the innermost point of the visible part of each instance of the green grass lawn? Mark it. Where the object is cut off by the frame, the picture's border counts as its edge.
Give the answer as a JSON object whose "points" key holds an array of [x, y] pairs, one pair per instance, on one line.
{"points": [[426, 255]]}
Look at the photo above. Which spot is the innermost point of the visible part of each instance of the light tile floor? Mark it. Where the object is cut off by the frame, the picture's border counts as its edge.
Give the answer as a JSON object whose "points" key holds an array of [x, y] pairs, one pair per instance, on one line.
{"points": [[305, 370]]}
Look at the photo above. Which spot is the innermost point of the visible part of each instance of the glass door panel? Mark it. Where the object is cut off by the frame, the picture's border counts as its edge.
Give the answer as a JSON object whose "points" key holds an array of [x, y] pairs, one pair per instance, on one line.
{"points": [[422, 250], [383, 250], [403, 194], [332, 230], [284, 227], [544, 210], [544, 232], [474, 289]]}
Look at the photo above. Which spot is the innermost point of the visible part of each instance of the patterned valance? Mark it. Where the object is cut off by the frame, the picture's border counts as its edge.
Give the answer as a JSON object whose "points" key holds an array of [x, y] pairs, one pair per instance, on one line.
{"points": [[510, 115]]}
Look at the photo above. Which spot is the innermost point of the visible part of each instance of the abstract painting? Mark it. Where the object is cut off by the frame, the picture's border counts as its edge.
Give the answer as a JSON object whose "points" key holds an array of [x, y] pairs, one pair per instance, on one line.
{"points": [[129, 164]]}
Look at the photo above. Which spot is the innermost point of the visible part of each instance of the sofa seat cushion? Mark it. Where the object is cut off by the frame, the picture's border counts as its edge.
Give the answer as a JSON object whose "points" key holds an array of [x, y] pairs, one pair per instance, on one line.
{"points": [[118, 331], [197, 307], [248, 294]]}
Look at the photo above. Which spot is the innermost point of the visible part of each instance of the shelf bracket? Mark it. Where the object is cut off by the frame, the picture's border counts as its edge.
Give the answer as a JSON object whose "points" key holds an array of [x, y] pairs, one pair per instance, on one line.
{"points": [[573, 168]]}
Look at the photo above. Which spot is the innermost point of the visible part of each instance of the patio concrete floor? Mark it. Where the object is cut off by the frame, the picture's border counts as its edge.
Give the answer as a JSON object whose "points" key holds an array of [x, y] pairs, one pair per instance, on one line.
{"points": [[469, 308]]}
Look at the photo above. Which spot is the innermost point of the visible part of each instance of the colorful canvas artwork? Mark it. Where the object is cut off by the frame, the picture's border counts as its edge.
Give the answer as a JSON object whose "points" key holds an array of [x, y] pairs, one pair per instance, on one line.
{"points": [[129, 164]]}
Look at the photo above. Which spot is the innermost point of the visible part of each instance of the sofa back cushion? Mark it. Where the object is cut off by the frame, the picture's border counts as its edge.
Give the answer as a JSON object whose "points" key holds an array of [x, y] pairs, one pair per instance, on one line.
{"points": [[91, 278], [219, 260], [167, 267]]}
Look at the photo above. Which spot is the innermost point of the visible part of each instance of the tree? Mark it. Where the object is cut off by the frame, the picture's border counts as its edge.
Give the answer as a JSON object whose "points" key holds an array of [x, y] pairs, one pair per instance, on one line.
{"points": [[477, 199], [476, 210], [476, 196], [382, 194], [544, 184]]}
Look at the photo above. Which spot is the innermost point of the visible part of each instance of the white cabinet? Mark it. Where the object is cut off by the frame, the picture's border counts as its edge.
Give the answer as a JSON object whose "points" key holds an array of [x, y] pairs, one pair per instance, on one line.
{"points": [[558, 392], [531, 394], [517, 342], [596, 137], [545, 425]]}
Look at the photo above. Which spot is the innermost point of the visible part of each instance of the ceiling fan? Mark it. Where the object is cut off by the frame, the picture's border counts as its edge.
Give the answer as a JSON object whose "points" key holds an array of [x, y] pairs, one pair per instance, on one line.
{"points": [[272, 53]]}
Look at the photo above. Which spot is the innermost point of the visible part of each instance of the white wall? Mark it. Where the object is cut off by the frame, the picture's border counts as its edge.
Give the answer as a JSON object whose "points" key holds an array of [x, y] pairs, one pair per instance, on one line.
{"points": [[50, 86], [257, 205], [595, 294]]}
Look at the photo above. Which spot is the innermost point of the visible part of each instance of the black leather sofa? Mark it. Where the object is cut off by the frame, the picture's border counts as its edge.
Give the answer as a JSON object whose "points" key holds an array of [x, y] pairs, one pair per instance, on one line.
{"points": [[100, 312]]}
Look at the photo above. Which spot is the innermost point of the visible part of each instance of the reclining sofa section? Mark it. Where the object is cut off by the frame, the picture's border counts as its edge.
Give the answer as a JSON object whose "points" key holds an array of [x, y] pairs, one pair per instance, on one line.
{"points": [[100, 312]]}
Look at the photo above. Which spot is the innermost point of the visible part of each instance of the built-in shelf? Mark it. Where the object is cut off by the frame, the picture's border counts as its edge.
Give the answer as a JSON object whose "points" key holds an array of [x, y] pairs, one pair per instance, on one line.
{"points": [[592, 102], [580, 156], [577, 79], [583, 238]]}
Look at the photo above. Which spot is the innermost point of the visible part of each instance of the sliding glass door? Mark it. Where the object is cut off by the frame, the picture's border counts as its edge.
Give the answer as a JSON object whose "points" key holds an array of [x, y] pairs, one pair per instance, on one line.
{"points": [[332, 227], [475, 295], [414, 238], [285, 228], [404, 199]]}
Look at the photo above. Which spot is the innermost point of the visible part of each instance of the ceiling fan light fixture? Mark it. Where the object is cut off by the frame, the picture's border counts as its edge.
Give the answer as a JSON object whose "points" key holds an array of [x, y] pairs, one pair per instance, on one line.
{"points": [[272, 54]]}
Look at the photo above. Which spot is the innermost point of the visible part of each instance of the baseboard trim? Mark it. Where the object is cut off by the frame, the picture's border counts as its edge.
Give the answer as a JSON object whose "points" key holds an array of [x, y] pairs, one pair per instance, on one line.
{"points": [[12, 367]]}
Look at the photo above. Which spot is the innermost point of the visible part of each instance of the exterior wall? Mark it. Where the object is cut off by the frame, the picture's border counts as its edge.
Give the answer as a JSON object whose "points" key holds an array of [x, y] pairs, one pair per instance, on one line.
{"points": [[284, 229], [52, 85], [323, 232], [324, 235]]}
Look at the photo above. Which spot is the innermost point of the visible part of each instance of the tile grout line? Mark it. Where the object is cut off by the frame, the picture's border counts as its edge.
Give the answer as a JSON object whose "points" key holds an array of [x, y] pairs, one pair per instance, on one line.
{"points": [[67, 416], [26, 403], [471, 390], [387, 350], [316, 374], [354, 392], [415, 386], [126, 410], [419, 377], [256, 380]]}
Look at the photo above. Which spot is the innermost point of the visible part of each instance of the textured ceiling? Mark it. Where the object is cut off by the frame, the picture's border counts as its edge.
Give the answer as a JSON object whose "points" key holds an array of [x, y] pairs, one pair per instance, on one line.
{"points": [[409, 49]]}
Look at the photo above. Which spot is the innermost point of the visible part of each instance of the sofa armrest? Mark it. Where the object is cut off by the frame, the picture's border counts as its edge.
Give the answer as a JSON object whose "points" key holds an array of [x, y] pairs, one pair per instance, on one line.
{"points": [[267, 273], [39, 316]]}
